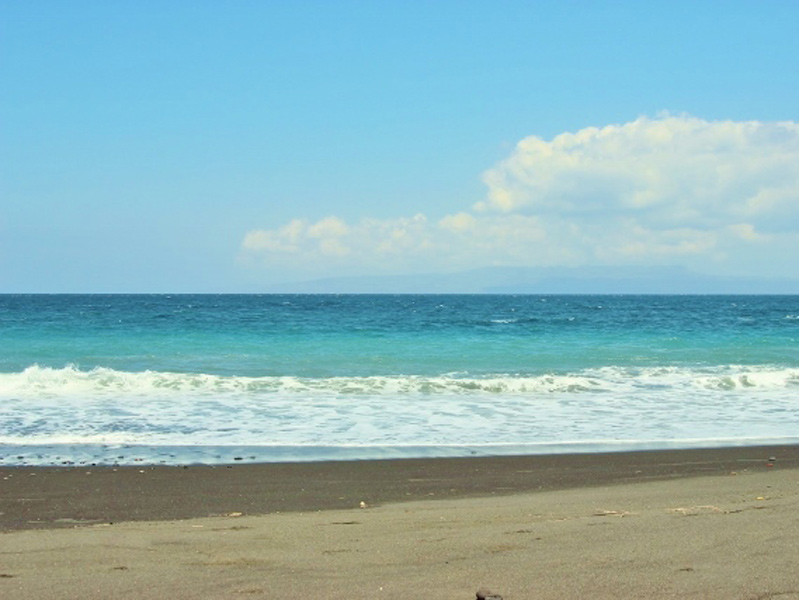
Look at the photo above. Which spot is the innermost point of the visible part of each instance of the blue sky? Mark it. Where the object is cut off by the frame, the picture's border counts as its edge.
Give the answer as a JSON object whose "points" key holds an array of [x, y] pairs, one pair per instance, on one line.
{"points": [[178, 146]]}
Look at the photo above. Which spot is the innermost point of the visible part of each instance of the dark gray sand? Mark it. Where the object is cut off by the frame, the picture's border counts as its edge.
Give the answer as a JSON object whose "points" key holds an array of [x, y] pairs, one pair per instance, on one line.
{"points": [[702, 524], [38, 497]]}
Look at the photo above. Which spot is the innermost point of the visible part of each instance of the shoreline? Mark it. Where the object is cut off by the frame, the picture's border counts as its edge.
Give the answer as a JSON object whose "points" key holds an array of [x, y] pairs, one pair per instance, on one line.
{"points": [[137, 455], [59, 497]]}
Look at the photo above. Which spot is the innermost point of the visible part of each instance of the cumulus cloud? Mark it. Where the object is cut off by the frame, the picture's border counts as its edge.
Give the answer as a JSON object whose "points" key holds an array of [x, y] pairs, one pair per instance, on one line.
{"points": [[669, 190], [331, 237], [459, 222], [664, 172], [408, 243]]}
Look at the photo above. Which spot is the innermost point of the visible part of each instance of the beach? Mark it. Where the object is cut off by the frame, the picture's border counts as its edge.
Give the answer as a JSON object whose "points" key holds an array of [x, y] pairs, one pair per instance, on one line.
{"points": [[702, 523]]}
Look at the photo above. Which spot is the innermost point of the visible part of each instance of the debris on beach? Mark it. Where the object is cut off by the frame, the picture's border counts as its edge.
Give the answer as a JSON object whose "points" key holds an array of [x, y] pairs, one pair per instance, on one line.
{"points": [[484, 594], [612, 513]]}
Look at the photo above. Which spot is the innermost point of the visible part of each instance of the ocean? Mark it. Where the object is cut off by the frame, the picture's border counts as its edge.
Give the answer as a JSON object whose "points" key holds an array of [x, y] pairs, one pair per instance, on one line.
{"points": [[184, 379]]}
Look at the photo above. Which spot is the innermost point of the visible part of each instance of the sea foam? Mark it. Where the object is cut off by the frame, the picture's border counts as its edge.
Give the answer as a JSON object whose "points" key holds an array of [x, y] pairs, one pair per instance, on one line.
{"points": [[46, 407]]}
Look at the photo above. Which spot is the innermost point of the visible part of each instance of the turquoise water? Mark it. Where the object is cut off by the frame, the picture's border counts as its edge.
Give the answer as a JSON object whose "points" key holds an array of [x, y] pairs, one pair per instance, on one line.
{"points": [[208, 378]]}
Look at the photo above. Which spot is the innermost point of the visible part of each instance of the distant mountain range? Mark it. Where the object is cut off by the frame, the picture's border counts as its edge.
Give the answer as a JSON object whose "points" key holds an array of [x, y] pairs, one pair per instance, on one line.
{"points": [[547, 280]]}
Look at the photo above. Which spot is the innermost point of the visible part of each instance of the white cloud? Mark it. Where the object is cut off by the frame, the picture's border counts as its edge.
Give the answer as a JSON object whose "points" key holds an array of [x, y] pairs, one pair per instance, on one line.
{"points": [[283, 240], [460, 222], [407, 243], [366, 242], [671, 190], [329, 228], [746, 231], [668, 172]]}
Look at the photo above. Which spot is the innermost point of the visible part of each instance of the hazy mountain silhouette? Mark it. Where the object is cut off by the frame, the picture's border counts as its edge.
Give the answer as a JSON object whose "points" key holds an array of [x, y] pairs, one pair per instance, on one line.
{"points": [[547, 280]]}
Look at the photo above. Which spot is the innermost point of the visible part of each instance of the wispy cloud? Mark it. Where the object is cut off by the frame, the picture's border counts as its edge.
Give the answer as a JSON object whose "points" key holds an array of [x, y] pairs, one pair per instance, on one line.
{"points": [[675, 189]]}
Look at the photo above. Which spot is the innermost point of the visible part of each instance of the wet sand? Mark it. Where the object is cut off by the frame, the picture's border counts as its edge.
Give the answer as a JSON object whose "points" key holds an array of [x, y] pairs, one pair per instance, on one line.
{"points": [[708, 523]]}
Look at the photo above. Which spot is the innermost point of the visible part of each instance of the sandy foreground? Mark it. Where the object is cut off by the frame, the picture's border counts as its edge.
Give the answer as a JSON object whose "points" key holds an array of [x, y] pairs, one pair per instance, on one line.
{"points": [[720, 524]]}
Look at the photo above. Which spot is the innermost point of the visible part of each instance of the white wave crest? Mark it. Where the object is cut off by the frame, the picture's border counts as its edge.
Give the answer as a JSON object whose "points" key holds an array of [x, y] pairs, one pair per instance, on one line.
{"points": [[45, 382]]}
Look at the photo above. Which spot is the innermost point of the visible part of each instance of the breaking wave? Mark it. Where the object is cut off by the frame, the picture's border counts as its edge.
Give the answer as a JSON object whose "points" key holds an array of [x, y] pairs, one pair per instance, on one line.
{"points": [[37, 381]]}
